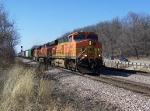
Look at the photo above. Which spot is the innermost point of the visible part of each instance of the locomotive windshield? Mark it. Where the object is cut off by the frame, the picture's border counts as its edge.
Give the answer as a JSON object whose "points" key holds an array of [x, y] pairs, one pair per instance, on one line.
{"points": [[79, 38], [38, 48], [48, 45], [92, 37]]}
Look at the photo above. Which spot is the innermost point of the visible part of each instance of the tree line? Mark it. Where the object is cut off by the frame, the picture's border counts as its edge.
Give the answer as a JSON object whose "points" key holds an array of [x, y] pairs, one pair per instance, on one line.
{"points": [[9, 38], [125, 37], [121, 37]]}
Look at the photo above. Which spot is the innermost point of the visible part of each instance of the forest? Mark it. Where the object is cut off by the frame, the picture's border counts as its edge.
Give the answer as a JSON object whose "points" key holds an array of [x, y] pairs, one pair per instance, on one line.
{"points": [[128, 36]]}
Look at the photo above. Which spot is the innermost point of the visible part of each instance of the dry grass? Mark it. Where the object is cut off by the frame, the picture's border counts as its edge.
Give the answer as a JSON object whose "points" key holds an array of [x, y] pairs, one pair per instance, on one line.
{"points": [[23, 91]]}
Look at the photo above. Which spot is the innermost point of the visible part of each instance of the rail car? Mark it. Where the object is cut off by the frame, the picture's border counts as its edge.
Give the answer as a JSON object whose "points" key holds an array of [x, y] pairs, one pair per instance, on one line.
{"points": [[28, 53], [78, 51]]}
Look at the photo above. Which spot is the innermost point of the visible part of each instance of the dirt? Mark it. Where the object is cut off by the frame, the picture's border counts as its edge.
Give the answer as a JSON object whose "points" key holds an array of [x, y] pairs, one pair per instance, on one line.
{"points": [[70, 96]]}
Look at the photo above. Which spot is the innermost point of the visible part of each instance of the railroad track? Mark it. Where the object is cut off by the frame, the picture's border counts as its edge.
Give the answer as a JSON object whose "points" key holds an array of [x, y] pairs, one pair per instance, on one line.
{"points": [[119, 82], [143, 73], [123, 83]]}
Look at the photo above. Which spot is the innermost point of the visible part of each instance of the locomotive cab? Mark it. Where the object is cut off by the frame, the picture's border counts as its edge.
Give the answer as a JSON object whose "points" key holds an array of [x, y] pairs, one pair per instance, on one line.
{"points": [[86, 49], [36, 53], [45, 49]]}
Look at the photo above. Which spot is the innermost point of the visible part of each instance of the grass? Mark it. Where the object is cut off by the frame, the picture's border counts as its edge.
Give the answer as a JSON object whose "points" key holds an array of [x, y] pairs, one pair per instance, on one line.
{"points": [[22, 90]]}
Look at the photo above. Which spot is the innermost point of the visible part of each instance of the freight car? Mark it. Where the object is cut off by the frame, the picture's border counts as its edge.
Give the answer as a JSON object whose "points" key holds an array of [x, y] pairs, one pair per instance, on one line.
{"points": [[79, 51]]}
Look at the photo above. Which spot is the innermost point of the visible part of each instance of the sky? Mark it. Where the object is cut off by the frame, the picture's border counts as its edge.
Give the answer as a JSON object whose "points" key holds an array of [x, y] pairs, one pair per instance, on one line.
{"points": [[42, 21]]}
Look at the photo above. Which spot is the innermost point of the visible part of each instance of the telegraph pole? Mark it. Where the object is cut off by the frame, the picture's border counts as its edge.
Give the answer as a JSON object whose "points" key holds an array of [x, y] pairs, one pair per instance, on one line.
{"points": [[22, 52]]}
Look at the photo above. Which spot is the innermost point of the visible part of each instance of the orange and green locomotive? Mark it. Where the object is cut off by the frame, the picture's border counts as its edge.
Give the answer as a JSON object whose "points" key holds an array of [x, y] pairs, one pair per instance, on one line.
{"points": [[78, 51]]}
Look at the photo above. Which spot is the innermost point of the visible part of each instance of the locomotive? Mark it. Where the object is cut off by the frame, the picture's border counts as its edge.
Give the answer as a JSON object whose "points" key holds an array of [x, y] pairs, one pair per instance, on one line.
{"points": [[78, 51]]}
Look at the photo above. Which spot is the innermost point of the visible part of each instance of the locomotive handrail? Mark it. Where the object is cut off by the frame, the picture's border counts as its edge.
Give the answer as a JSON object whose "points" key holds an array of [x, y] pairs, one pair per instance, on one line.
{"points": [[80, 53]]}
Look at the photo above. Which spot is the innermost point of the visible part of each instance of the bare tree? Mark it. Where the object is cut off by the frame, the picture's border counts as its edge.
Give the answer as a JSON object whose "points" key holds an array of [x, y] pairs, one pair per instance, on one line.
{"points": [[109, 33], [133, 32], [9, 38], [129, 36]]}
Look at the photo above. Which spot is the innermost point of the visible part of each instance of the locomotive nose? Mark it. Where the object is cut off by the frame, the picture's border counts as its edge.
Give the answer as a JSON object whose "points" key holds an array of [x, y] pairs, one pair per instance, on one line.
{"points": [[91, 52]]}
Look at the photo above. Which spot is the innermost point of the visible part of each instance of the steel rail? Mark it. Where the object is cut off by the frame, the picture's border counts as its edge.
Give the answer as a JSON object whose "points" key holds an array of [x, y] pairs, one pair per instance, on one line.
{"points": [[119, 82], [123, 83]]}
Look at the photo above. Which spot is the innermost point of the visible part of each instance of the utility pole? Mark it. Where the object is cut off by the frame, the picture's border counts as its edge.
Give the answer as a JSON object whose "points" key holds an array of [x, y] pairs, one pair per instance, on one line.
{"points": [[22, 52]]}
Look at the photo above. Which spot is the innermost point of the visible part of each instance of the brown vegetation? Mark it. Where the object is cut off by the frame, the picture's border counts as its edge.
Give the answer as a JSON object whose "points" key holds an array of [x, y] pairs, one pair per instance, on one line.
{"points": [[24, 88], [21, 89]]}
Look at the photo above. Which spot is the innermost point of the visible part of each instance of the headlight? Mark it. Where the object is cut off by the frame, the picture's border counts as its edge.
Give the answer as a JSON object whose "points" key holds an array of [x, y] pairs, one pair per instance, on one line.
{"points": [[99, 55], [90, 42], [85, 55]]}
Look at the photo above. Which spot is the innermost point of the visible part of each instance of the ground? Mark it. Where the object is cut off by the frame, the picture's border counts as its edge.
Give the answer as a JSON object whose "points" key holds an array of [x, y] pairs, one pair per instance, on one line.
{"points": [[70, 96]]}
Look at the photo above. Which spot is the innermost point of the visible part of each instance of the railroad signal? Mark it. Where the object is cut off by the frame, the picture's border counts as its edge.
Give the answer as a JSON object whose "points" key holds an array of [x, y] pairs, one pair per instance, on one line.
{"points": [[21, 48]]}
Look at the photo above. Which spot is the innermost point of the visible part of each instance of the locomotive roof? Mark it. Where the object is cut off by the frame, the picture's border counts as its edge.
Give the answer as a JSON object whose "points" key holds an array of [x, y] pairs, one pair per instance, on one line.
{"points": [[35, 46], [64, 38], [83, 33]]}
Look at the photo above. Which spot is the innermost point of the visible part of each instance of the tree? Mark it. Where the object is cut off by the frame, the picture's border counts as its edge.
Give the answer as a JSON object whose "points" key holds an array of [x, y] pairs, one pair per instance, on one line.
{"points": [[135, 32], [109, 32], [9, 38], [129, 36]]}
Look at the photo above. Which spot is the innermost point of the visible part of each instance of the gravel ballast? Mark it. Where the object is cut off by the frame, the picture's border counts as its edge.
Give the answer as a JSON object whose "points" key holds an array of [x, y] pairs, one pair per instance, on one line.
{"points": [[94, 90], [129, 76], [137, 78]]}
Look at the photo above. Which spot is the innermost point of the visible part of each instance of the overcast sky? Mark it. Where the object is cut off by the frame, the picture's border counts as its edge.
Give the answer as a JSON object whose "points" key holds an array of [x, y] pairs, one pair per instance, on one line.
{"points": [[41, 21]]}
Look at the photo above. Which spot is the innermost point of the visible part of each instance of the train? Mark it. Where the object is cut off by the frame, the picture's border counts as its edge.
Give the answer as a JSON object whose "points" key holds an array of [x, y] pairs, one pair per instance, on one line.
{"points": [[79, 50]]}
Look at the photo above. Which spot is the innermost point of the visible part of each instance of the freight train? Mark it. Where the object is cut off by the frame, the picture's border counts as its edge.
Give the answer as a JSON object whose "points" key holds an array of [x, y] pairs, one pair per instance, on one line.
{"points": [[78, 51]]}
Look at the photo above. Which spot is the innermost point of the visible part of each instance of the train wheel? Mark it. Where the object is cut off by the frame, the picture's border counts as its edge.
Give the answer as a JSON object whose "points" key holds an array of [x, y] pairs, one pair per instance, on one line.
{"points": [[72, 65], [68, 66], [53, 63], [65, 64], [93, 67]]}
